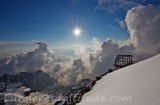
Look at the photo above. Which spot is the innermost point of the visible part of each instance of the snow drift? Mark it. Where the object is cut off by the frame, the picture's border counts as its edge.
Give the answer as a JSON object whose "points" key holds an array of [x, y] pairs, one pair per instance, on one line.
{"points": [[139, 82]]}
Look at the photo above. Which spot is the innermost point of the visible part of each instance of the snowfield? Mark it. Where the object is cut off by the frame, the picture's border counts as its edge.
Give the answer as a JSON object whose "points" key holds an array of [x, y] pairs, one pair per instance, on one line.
{"points": [[138, 84]]}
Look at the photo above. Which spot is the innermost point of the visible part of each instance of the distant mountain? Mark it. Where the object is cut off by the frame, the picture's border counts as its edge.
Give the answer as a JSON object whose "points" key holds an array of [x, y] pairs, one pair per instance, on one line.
{"points": [[40, 81], [36, 81]]}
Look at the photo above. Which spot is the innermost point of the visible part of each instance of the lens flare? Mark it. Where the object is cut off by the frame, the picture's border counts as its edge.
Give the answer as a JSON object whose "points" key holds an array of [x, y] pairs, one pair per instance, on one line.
{"points": [[77, 32], [76, 29]]}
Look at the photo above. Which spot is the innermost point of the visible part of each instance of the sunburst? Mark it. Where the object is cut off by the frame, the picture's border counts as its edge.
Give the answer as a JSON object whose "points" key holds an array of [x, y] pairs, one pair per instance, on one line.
{"points": [[76, 30]]}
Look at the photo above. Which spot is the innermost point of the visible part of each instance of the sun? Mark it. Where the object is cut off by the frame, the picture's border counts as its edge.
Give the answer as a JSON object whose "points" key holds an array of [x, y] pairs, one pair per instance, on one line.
{"points": [[77, 32], [76, 29]]}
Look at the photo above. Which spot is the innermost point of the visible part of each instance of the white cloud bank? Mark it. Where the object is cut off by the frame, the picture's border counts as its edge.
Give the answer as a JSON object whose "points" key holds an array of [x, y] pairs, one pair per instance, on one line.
{"points": [[28, 62], [143, 24]]}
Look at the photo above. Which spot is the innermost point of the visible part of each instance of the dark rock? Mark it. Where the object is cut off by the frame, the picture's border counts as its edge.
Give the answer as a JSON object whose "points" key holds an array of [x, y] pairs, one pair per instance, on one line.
{"points": [[37, 81]]}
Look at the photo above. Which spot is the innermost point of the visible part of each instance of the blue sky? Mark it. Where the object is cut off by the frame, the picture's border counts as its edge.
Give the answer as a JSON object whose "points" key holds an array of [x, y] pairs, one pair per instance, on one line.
{"points": [[49, 20]]}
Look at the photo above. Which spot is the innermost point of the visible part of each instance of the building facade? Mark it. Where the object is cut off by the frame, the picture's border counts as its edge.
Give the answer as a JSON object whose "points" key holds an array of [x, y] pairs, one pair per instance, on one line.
{"points": [[123, 60]]}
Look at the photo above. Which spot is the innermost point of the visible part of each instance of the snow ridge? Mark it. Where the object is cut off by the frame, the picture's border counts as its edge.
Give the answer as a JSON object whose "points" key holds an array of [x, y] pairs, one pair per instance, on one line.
{"points": [[139, 82]]}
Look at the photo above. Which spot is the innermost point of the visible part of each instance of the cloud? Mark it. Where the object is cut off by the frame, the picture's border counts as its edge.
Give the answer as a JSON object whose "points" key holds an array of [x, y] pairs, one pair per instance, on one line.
{"points": [[80, 51], [28, 62], [9, 48], [72, 72], [42, 46], [143, 25], [121, 23], [104, 59], [61, 67], [116, 5], [57, 68]]}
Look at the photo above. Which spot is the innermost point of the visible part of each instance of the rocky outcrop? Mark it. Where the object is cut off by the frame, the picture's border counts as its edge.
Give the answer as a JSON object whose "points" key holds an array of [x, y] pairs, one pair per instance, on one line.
{"points": [[36, 81]]}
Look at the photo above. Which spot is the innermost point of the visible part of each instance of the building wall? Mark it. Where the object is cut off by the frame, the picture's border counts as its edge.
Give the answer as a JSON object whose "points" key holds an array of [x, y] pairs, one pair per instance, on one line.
{"points": [[123, 60]]}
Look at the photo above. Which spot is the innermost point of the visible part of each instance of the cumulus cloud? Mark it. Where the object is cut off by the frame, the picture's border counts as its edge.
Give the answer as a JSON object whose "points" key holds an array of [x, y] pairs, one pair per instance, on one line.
{"points": [[28, 62], [143, 25], [104, 59], [80, 51], [42, 46], [72, 72]]}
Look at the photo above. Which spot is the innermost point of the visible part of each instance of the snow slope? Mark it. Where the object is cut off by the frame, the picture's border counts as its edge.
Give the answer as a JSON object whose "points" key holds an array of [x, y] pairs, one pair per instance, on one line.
{"points": [[140, 83]]}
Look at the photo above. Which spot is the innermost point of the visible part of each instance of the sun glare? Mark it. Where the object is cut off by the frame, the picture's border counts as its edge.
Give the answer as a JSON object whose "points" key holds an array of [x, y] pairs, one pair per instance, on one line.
{"points": [[77, 32]]}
